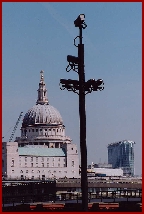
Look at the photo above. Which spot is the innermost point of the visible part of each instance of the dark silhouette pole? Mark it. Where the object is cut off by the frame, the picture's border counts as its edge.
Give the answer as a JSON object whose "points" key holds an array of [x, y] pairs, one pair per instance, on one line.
{"points": [[82, 114], [81, 88]]}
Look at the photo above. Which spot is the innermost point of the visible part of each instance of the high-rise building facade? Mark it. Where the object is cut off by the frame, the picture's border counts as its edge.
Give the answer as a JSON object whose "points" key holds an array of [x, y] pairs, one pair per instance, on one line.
{"points": [[121, 155]]}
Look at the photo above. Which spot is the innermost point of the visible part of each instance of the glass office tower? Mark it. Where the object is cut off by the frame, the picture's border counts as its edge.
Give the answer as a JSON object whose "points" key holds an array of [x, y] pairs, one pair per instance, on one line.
{"points": [[121, 155]]}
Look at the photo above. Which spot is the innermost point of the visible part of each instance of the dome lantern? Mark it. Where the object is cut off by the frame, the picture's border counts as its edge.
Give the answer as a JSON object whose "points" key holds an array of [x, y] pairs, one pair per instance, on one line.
{"points": [[42, 91]]}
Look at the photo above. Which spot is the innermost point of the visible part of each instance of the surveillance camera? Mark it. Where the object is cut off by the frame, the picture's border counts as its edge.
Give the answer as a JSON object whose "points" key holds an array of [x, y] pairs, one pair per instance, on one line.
{"points": [[72, 59], [79, 21]]}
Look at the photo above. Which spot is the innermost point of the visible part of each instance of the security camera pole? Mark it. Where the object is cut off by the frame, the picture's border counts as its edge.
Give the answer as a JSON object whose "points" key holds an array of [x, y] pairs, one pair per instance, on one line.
{"points": [[81, 88]]}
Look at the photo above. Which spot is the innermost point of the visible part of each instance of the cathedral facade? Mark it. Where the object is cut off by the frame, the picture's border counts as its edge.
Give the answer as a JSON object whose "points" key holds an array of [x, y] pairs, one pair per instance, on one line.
{"points": [[43, 151]]}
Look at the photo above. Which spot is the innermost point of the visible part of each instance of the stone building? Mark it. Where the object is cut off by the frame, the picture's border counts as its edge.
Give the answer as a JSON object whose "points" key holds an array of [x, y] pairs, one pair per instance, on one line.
{"points": [[43, 151]]}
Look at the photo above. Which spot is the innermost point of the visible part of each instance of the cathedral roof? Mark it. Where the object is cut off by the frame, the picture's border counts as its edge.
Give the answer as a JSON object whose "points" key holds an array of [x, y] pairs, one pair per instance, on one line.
{"points": [[41, 151], [42, 112]]}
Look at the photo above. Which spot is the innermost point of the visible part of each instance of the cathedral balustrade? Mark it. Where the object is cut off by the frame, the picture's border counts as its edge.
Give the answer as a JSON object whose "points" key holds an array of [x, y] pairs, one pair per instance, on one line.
{"points": [[53, 137]]}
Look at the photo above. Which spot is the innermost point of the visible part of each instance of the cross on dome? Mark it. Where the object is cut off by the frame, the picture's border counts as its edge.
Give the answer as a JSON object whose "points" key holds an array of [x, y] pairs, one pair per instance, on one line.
{"points": [[42, 76]]}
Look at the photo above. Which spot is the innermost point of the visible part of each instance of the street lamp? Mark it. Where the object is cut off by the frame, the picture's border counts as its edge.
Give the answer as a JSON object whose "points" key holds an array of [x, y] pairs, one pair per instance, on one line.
{"points": [[81, 88]]}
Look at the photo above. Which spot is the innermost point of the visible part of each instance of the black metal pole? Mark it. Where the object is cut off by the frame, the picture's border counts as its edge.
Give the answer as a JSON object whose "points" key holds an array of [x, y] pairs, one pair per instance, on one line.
{"points": [[82, 113], [82, 87]]}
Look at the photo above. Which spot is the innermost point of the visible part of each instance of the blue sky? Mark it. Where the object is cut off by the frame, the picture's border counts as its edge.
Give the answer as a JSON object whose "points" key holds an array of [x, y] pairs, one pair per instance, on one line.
{"points": [[39, 36]]}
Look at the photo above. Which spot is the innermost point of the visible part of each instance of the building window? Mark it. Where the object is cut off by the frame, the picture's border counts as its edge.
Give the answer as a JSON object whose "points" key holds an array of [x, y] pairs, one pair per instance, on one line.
{"points": [[2, 163], [47, 159], [32, 130], [31, 164], [26, 171], [53, 159], [26, 159], [72, 163], [59, 159], [42, 159], [25, 164], [58, 164], [40, 129], [36, 130], [31, 158], [29, 130], [42, 164], [36, 164], [12, 163], [47, 164], [46, 130], [21, 171], [32, 171], [53, 164], [36, 159], [72, 148], [76, 151], [12, 171], [49, 129]]}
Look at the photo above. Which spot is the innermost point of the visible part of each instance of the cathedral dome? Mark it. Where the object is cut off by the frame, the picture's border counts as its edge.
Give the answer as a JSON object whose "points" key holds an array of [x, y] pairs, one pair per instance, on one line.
{"points": [[42, 112]]}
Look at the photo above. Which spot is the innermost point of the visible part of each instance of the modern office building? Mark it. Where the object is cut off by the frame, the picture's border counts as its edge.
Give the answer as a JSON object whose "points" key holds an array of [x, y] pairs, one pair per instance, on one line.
{"points": [[121, 155], [43, 151]]}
